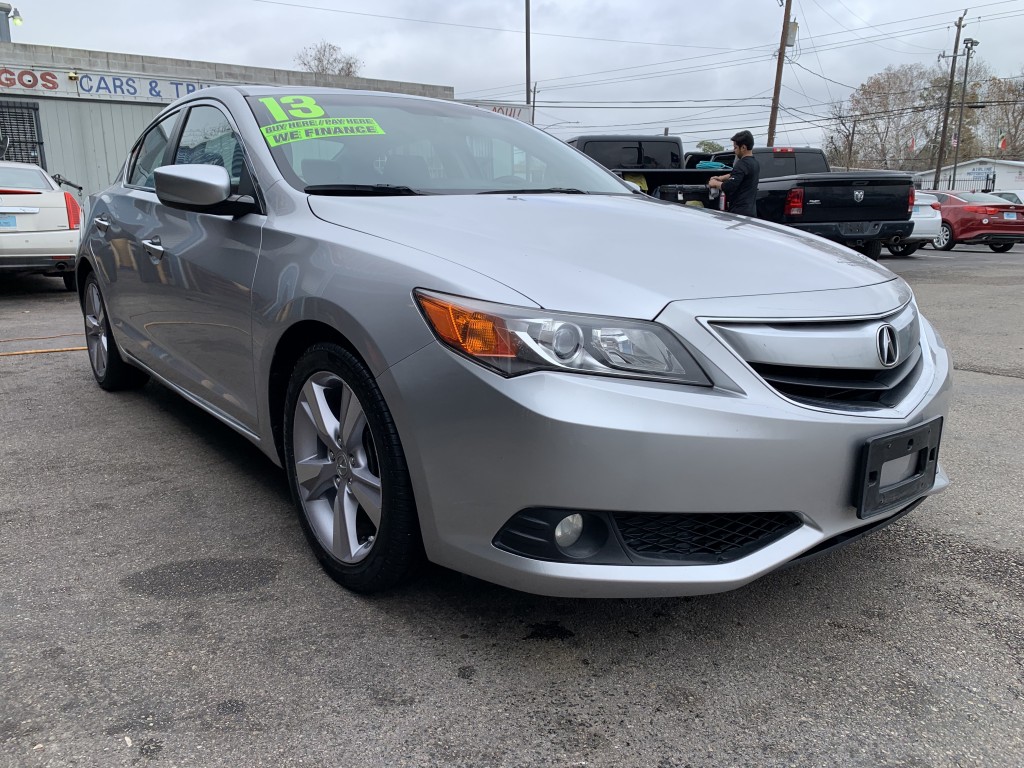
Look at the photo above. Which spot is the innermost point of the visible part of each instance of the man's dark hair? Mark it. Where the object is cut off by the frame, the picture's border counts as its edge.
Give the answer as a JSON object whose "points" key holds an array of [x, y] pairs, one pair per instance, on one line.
{"points": [[744, 139]]}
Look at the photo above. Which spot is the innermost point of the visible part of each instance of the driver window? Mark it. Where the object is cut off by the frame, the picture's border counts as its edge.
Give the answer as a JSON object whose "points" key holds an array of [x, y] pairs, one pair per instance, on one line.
{"points": [[149, 155], [208, 139]]}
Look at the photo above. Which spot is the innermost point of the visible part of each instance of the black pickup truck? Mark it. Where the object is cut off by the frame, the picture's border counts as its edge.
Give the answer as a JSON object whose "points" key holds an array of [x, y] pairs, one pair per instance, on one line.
{"points": [[862, 209]]}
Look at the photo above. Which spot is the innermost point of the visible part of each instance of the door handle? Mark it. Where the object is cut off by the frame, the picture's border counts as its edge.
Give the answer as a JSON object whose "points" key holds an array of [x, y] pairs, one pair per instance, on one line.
{"points": [[102, 222], [154, 249]]}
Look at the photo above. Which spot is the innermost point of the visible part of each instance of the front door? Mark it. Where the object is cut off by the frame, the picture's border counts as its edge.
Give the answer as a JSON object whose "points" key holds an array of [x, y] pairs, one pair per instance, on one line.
{"points": [[201, 316]]}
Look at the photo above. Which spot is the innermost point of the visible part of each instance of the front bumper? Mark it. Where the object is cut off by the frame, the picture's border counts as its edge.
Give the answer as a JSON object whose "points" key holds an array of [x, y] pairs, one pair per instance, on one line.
{"points": [[482, 448]]}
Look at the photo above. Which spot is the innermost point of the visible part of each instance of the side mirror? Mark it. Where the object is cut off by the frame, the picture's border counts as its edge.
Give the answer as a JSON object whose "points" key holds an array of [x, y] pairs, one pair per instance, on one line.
{"points": [[201, 189]]}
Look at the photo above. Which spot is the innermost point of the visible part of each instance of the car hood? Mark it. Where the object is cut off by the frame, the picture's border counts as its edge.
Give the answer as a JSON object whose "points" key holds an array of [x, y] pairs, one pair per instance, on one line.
{"points": [[606, 254]]}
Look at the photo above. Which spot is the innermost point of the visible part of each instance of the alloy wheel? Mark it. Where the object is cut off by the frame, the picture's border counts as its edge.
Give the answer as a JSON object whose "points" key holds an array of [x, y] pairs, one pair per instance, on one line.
{"points": [[944, 242], [96, 336], [337, 470]]}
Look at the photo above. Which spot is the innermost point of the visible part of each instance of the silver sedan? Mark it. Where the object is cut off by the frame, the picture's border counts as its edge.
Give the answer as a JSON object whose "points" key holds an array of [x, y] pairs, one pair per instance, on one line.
{"points": [[465, 341]]}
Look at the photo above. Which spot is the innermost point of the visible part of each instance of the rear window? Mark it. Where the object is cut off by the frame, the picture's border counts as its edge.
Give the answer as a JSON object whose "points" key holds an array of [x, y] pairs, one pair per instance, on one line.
{"points": [[790, 163], [24, 178], [1013, 197], [980, 197], [634, 154]]}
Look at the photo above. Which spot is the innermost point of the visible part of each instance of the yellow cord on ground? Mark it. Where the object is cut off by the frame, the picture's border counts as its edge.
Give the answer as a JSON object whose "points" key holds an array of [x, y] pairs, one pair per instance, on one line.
{"points": [[43, 351], [41, 338]]}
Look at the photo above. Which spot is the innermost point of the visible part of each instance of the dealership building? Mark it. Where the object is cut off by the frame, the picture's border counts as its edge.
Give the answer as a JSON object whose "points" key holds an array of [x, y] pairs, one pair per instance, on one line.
{"points": [[979, 174], [77, 113]]}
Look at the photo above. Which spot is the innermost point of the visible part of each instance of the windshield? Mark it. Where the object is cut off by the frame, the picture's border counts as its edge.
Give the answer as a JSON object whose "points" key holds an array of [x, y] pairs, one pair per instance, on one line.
{"points": [[433, 147]]}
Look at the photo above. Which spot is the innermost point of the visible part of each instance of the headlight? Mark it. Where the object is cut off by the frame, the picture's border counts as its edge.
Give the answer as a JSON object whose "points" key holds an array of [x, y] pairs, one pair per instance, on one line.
{"points": [[516, 340]]}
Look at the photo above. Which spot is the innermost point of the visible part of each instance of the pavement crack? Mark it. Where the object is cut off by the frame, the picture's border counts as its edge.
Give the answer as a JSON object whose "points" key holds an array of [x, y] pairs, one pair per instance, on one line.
{"points": [[988, 371]]}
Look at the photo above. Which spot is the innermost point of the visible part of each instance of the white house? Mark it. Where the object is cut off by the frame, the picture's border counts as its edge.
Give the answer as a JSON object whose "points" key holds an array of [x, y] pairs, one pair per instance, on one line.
{"points": [[977, 175]]}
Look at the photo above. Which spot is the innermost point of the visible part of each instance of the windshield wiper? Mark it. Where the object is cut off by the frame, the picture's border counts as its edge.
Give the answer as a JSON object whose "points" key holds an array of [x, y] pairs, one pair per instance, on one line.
{"points": [[356, 190], [549, 190]]}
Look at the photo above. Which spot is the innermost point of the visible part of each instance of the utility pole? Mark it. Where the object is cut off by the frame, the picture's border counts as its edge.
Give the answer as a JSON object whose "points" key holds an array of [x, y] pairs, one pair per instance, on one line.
{"points": [[849, 151], [778, 76], [527, 53], [949, 98], [970, 44]]}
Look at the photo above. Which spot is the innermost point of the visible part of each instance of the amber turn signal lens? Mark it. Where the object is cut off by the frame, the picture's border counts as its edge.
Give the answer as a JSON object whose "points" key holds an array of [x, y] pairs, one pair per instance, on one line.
{"points": [[474, 333]]}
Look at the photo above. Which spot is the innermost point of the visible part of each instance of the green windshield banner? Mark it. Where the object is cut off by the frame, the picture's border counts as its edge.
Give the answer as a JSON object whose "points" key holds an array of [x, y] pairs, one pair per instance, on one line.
{"points": [[323, 127]]}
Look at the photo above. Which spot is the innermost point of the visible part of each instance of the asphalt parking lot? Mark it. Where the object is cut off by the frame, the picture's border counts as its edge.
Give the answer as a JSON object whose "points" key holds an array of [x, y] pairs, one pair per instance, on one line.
{"points": [[158, 604]]}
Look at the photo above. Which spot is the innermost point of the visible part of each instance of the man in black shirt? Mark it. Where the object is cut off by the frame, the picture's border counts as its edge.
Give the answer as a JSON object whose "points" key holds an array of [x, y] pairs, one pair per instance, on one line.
{"points": [[740, 186]]}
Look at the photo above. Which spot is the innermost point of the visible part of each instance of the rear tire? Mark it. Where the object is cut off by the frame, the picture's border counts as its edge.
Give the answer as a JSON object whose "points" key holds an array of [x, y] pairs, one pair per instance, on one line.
{"points": [[1001, 247], [945, 241], [347, 472], [70, 283], [872, 249], [111, 371], [903, 249]]}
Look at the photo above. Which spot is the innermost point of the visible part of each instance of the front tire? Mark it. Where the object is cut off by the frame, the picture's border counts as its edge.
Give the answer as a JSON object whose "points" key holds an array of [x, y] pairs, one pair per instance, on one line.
{"points": [[110, 370], [945, 241], [903, 249], [348, 473], [1001, 247]]}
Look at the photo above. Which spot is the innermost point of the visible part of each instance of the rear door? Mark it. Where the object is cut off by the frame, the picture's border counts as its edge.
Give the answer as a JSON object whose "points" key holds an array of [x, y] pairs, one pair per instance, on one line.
{"points": [[122, 219]]}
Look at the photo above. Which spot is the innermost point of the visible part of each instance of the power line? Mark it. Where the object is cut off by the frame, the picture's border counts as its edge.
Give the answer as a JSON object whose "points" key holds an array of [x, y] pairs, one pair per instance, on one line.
{"points": [[767, 48], [483, 27], [727, 64], [828, 79]]}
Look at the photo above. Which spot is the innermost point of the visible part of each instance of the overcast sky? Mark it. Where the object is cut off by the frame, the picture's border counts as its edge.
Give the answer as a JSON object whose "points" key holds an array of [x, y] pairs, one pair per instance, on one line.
{"points": [[607, 51]]}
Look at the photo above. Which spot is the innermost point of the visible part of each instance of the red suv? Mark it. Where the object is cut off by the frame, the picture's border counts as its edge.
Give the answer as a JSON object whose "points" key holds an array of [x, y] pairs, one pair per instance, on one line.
{"points": [[977, 217]]}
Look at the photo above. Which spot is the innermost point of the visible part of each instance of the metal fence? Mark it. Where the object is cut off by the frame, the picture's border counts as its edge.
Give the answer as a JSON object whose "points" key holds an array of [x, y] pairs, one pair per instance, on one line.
{"points": [[965, 183]]}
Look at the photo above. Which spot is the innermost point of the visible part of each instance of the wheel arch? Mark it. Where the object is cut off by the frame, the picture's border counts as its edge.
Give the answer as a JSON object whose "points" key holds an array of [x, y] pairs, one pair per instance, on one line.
{"points": [[289, 348], [83, 269]]}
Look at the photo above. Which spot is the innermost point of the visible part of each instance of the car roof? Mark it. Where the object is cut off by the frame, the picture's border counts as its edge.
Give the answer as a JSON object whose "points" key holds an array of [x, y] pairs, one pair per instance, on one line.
{"points": [[271, 90], [15, 164]]}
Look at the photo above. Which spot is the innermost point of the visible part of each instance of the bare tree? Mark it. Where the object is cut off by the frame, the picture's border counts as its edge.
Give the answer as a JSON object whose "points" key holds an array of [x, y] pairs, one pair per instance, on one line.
{"points": [[893, 119], [840, 145], [891, 115], [1003, 116], [327, 59]]}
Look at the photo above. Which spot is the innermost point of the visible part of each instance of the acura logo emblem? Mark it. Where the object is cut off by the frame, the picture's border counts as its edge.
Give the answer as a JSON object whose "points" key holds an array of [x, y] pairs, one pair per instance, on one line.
{"points": [[887, 345], [858, 195]]}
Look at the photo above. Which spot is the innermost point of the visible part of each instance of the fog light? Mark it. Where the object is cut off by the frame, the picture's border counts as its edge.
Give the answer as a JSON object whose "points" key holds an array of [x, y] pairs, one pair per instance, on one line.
{"points": [[568, 531]]}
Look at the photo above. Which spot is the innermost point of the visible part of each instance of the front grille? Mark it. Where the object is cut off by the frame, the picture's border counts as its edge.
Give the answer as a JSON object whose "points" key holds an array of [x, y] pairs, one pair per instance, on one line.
{"points": [[842, 386], [833, 363], [703, 539]]}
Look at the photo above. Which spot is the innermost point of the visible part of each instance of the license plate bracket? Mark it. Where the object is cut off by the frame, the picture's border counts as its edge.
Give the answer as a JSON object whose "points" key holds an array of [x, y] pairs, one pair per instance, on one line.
{"points": [[922, 443]]}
